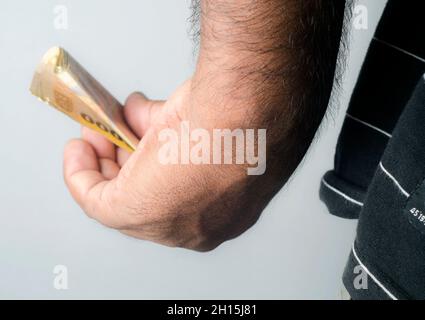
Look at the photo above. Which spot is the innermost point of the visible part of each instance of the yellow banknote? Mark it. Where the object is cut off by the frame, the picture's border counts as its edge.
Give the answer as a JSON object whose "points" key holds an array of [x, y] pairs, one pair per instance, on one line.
{"points": [[63, 83]]}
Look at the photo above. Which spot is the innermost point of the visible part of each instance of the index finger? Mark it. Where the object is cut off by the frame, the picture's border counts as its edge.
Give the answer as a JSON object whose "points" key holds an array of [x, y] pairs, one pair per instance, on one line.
{"points": [[89, 188]]}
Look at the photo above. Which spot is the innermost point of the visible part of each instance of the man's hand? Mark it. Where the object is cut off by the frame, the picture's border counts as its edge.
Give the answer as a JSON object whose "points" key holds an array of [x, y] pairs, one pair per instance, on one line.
{"points": [[262, 65], [186, 205]]}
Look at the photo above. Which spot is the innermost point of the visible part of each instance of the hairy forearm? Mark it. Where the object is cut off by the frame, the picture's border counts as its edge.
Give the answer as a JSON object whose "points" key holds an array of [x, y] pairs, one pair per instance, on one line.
{"points": [[270, 64]]}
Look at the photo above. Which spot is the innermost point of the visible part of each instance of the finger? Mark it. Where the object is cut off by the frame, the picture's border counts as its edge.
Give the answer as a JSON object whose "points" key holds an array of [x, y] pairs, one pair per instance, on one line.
{"points": [[143, 235], [122, 156], [140, 112], [81, 169], [88, 186], [109, 168], [102, 146], [134, 234]]}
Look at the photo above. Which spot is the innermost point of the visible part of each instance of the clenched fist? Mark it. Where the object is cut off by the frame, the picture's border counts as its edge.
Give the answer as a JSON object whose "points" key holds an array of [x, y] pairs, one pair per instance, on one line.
{"points": [[196, 206], [263, 65]]}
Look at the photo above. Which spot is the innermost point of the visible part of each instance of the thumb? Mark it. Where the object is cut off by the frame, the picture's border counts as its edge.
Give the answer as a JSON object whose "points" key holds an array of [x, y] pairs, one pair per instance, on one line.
{"points": [[140, 112]]}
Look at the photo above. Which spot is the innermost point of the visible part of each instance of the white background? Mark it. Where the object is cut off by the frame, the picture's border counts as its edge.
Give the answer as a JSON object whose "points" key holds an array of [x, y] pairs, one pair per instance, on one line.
{"points": [[296, 250]]}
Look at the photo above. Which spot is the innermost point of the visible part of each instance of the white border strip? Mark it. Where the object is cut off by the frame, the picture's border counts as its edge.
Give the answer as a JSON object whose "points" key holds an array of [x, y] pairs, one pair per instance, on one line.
{"points": [[404, 192], [372, 276], [369, 125], [342, 194], [400, 49]]}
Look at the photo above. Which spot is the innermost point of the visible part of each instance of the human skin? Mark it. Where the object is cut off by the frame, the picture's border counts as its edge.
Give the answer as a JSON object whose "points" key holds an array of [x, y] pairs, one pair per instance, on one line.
{"points": [[259, 67]]}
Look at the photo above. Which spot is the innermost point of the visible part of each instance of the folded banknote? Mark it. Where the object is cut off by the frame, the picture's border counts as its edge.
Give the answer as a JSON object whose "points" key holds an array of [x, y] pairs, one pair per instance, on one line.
{"points": [[63, 83]]}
